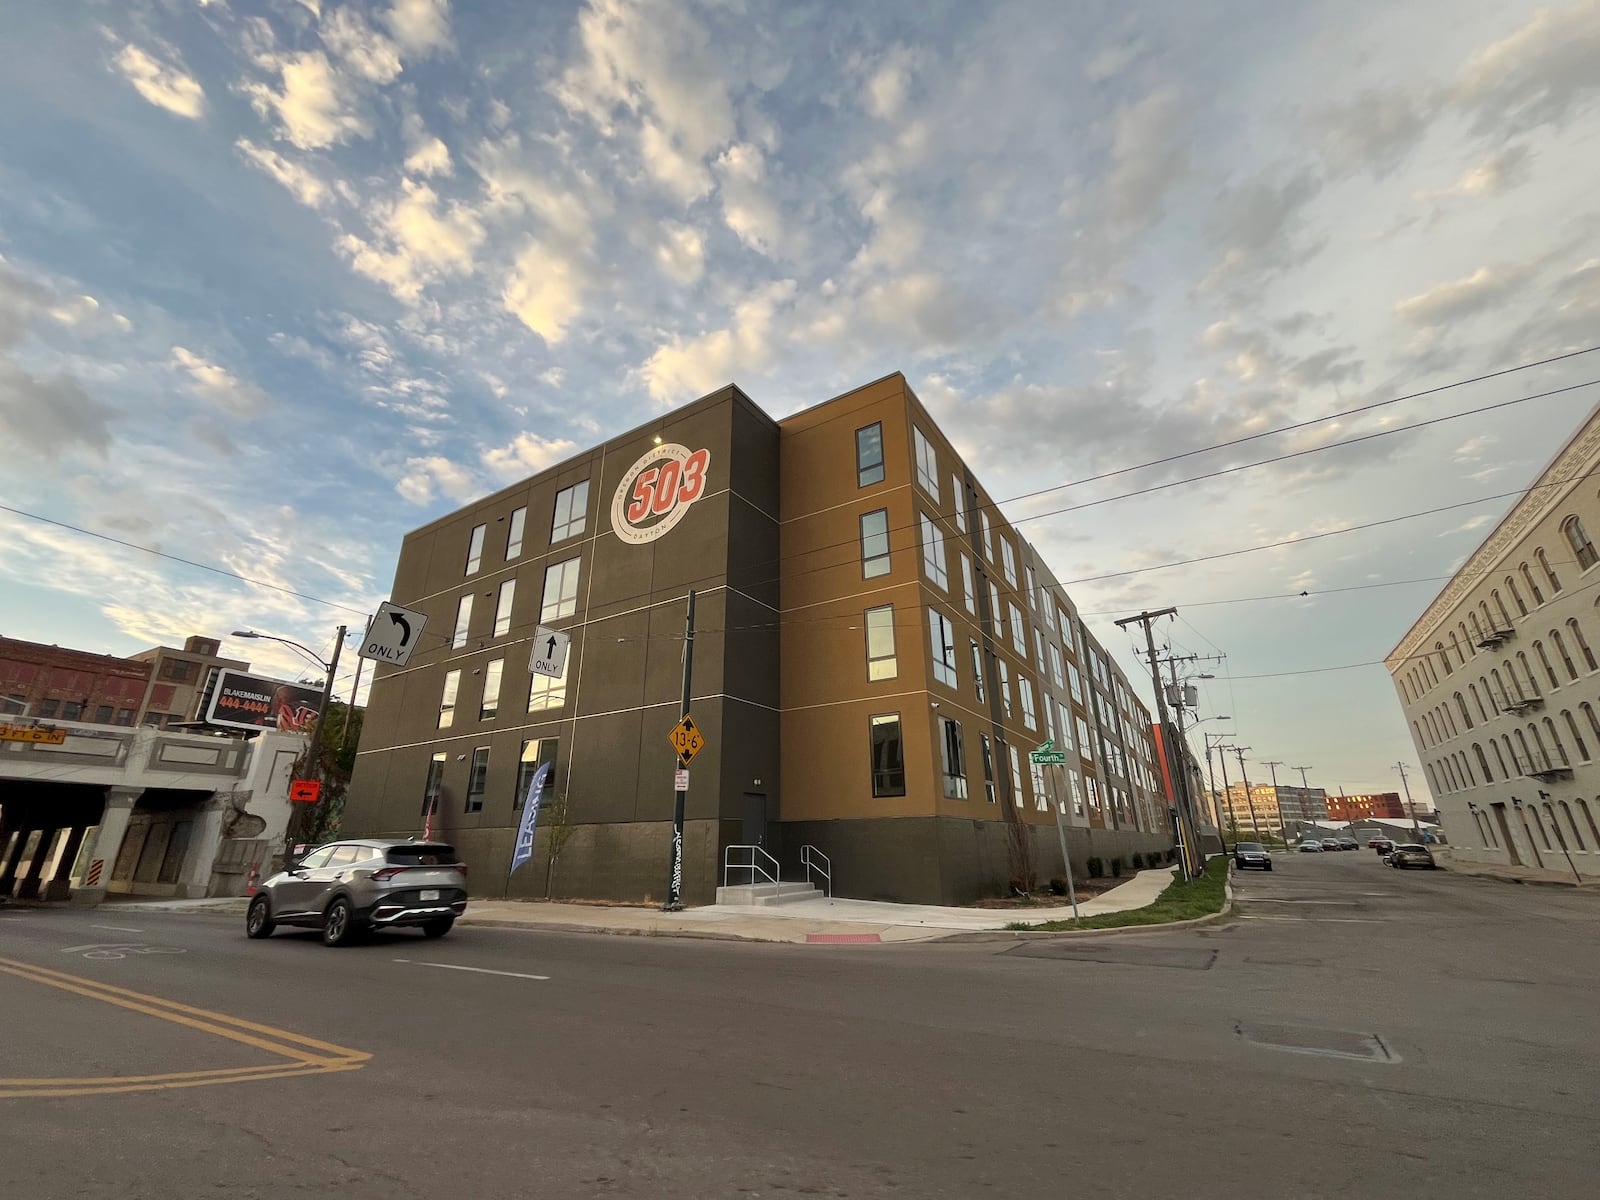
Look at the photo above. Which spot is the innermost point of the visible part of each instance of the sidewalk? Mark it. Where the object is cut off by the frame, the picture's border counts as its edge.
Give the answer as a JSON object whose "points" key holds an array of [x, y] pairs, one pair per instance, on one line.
{"points": [[805, 921], [1563, 876]]}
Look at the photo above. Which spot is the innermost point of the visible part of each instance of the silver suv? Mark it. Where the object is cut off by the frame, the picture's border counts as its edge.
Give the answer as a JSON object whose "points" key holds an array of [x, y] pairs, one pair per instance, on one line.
{"points": [[348, 888]]}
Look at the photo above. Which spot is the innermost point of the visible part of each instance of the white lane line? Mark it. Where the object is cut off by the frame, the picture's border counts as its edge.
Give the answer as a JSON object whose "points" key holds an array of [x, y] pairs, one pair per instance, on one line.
{"points": [[117, 928], [1315, 920], [475, 970], [1291, 900]]}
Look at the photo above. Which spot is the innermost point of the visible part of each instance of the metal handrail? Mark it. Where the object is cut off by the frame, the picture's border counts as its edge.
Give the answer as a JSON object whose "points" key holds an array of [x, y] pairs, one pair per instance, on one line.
{"points": [[808, 859], [754, 866]]}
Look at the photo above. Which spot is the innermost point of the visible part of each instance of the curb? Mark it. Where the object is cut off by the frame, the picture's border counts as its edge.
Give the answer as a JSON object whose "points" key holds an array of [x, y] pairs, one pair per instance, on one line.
{"points": [[1027, 935], [612, 931]]}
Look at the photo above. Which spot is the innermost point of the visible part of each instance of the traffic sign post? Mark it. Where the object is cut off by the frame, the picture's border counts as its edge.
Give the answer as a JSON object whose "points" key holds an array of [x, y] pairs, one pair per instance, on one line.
{"points": [[1061, 832], [549, 655], [393, 634], [685, 738]]}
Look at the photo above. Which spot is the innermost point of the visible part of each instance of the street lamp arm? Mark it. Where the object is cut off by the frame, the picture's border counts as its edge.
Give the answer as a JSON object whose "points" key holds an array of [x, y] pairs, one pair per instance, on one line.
{"points": [[306, 650]]}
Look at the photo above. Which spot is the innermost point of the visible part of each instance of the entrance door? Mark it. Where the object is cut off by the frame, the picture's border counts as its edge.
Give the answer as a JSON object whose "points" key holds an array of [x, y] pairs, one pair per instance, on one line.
{"points": [[754, 813], [1505, 834]]}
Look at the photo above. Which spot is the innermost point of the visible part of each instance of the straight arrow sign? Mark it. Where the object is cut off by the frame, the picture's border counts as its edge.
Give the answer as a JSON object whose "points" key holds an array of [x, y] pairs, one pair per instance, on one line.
{"points": [[549, 655]]}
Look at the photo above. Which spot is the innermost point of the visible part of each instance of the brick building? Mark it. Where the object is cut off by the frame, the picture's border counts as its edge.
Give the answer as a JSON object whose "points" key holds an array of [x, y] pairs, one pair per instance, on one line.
{"points": [[1379, 805], [159, 687]]}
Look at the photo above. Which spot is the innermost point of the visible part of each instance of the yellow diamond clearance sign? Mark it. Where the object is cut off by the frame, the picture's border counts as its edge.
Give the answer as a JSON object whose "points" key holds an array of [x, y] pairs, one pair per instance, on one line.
{"points": [[687, 739]]}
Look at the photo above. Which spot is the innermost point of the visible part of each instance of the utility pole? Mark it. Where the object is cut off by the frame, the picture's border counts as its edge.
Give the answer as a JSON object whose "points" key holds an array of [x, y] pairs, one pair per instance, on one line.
{"points": [[1410, 804], [1277, 798], [1211, 781], [675, 884], [1249, 799], [344, 733], [301, 816], [1227, 790], [1306, 788], [1186, 838]]}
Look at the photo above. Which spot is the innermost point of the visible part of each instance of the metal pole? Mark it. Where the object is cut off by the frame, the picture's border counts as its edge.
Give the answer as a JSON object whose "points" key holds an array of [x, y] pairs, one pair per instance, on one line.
{"points": [[1249, 799], [298, 818], [1560, 837], [1305, 789], [1277, 798], [675, 884], [1061, 832], [1227, 790], [1180, 753], [344, 733], [1410, 804], [1185, 840], [1211, 779]]}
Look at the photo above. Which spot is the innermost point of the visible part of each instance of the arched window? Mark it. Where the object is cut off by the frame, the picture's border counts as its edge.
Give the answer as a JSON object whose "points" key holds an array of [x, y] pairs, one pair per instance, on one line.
{"points": [[1433, 781], [1516, 596], [1542, 762], [1555, 740], [1449, 719], [1544, 834], [1417, 729], [1477, 698], [1483, 762], [1544, 661], [1499, 758], [1578, 538], [1594, 722], [1477, 630], [1533, 584], [1549, 574], [1466, 641], [1504, 697], [1527, 762], [1461, 703], [1450, 773], [1433, 676], [1588, 817], [1438, 648], [1455, 644], [1577, 834], [1577, 738], [1528, 671], [1505, 616], [1433, 724], [1487, 827], [1464, 765], [1561, 649], [1582, 644]]}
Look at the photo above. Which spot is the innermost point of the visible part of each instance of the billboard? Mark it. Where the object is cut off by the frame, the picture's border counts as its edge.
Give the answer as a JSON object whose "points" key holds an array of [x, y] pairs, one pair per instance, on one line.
{"points": [[244, 701]]}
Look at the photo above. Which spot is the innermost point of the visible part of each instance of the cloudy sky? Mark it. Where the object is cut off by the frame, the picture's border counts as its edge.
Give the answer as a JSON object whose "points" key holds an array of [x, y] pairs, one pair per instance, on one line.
{"points": [[280, 280]]}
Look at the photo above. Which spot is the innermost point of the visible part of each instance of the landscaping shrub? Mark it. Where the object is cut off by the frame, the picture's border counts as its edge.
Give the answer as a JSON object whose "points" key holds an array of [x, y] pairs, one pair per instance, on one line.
{"points": [[1058, 885], [1138, 862], [1096, 867], [1116, 868]]}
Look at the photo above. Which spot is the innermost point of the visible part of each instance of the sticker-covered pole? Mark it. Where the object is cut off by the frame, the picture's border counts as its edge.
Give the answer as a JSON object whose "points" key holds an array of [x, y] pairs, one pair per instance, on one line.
{"points": [[680, 794]]}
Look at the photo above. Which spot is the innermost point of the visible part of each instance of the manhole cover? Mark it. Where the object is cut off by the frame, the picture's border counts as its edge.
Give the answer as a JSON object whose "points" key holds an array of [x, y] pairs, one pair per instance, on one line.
{"points": [[1121, 956], [1327, 1043]]}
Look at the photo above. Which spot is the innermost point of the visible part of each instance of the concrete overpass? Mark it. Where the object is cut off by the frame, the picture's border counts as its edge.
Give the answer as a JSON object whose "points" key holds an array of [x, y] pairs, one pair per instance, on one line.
{"points": [[98, 809]]}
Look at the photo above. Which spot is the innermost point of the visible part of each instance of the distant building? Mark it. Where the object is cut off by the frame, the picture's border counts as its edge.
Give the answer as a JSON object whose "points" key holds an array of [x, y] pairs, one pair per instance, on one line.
{"points": [[1497, 678], [1375, 806], [161, 687], [181, 680]]}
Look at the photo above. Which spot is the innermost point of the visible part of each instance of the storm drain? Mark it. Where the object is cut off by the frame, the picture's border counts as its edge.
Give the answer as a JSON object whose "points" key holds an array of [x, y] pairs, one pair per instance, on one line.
{"points": [[1121, 956], [1325, 1043]]}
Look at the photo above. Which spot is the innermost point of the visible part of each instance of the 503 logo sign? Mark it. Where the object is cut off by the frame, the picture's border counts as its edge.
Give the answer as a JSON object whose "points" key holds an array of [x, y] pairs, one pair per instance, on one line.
{"points": [[657, 491]]}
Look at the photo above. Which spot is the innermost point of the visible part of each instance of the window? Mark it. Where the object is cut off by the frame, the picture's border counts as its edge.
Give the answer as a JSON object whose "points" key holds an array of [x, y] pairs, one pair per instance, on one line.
{"points": [[490, 708], [1516, 596], [1499, 603], [1528, 671], [547, 691], [1025, 695], [1019, 634], [1461, 703], [953, 759], [1533, 584], [888, 757], [1085, 747], [519, 522], [1561, 649], [1555, 740], [1029, 591], [475, 549], [1549, 572], [502, 608], [1438, 648], [1483, 763], [1544, 661], [124, 716], [960, 494], [1016, 775], [1008, 559], [1577, 738], [875, 543], [560, 590], [1004, 684], [967, 593], [869, 455], [881, 661], [1057, 666], [477, 779], [434, 785], [535, 753], [571, 512], [1583, 645], [1076, 681], [988, 767], [977, 669], [179, 670], [1588, 714], [933, 560], [102, 714], [463, 621], [986, 538], [1038, 653], [1578, 538], [942, 635], [1065, 732], [927, 464], [1576, 833], [997, 614], [447, 701]]}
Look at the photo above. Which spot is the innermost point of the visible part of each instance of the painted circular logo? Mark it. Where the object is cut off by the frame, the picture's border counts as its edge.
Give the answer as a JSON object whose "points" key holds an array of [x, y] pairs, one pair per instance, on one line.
{"points": [[657, 491]]}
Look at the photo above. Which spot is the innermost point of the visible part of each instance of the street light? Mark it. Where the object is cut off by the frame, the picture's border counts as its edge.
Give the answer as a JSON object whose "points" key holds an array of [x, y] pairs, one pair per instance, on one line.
{"points": [[313, 754]]}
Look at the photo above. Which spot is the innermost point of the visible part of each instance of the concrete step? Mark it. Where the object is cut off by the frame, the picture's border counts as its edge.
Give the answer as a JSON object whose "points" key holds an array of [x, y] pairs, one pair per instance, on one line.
{"points": [[766, 894]]}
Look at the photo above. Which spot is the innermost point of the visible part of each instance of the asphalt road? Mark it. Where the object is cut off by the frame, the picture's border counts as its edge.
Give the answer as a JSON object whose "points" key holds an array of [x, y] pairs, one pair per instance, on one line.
{"points": [[1355, 1031]]}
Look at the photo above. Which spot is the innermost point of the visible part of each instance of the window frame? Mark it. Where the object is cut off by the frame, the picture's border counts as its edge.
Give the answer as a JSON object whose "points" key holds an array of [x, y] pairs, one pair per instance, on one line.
{"points": [[577, 518], [463, 626], [863, 467], [875, 566], [475, 541], [526, 767], [551, 690], [563, 606], [516, 532], [880, 666], [503, 604], [952, 746], [1582, 546], [927, 462], [493, 680], [934, 563], [885, 790], [448, 696], [477, 780], [941, 648]]}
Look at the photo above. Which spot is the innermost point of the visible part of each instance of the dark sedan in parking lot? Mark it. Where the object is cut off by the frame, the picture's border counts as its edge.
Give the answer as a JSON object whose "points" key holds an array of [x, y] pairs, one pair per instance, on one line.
{"points": [[1412, 855], [1251, 854]]}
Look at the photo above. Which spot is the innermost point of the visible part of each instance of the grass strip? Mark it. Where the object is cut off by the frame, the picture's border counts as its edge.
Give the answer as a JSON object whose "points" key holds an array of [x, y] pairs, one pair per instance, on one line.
{"points": [[1181, 901]]}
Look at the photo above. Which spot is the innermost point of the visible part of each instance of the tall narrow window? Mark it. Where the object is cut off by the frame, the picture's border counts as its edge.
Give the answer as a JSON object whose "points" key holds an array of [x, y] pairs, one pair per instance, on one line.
{"points": [[952, 759], [1544, 661], [571, 512], [560, 590], [1549, 571], [1505, 617], [942, 636], [502, 608], [1528, 671], [888, 757], [1025, 695], [475, 549], [477, 779], [968, 594], [927, 464], [1038, 654], [1466, 716], [1477, 629], [986, 538], [875, 543], [1576, 832], [1075, 681], [997, 614], [881, 661], [434, 784], [1555, 740], [1064, 727], [1016, 775], [490, 706], [1561, 649], [1483, 763], [960, 494], [519, 525], [1008, 559], [463, 621], [1438, 648], [1019, 634], [933, 561], [1583, 644], [1577, 738], [1516, 596], [1578, 538], [1483, 713], [548, 691], [977, 669], [988, 767], [535, 753], [1057, 666], [447, 699], [1004, 684], [869, 454], [1588, 715], [1500, 759], [1533, 584]]}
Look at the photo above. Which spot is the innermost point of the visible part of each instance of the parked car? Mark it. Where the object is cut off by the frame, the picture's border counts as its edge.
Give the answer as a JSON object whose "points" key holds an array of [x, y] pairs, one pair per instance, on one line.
{"points": [[1412, 855], [1251, 854], [1330, 843], [1382, 846], [349, 888], [1311, 847], [1348, 843]]}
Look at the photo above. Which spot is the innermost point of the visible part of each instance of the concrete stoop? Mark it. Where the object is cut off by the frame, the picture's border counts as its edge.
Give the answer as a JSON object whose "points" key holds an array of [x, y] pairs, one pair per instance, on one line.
{"points": [[767, 894]]}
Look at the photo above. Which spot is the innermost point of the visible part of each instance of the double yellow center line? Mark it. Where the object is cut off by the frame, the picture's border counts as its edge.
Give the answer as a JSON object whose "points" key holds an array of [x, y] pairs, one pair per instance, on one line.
{"points": [[301, 1055]]}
